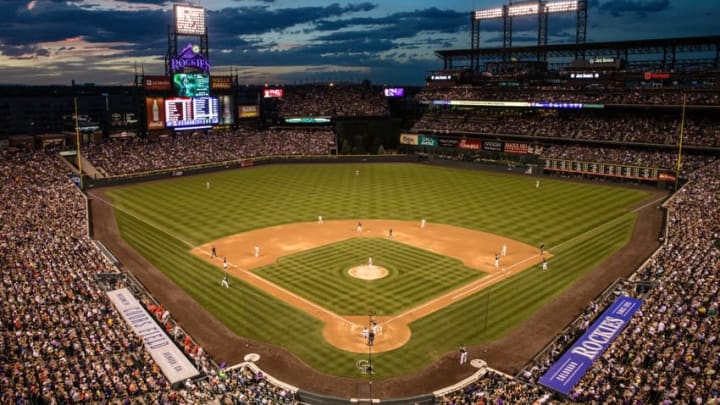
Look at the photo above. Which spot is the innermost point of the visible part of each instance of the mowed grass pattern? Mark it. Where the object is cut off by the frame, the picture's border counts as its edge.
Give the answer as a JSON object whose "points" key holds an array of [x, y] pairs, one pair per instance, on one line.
{"points": [[580, 223], [415, 276]]}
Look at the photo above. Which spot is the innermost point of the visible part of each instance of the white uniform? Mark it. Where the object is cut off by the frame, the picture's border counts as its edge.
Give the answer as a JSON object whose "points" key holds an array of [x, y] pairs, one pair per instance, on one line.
{"points": [[207, 185], [497, 261], [320, 221], [544, 265], [422, 223], [224, 282], [370, 262], [537, 183], [503, 252], [359, 227], [463, 355], [257, 251]]}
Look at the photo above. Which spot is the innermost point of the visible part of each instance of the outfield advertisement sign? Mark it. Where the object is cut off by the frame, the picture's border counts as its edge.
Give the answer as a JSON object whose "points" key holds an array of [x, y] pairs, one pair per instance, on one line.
{"points": [[473, 144], [572, 366], [427, 141], [166, 354], [493, 146], [448, 142], [515, 147], [409, 139]]}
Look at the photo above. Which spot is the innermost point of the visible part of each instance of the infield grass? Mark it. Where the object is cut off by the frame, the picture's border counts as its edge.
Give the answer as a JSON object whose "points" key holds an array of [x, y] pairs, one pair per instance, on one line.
{"points": [[581, 224]]}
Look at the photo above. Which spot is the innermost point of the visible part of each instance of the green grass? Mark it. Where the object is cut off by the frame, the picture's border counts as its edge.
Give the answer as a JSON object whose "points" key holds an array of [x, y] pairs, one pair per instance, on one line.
{"points": [[415, 276], [581, 224]]}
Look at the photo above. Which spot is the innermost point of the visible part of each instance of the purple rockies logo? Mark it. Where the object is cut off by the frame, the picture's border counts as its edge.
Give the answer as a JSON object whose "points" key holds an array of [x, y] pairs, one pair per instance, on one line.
{"points": [[191, 57]]}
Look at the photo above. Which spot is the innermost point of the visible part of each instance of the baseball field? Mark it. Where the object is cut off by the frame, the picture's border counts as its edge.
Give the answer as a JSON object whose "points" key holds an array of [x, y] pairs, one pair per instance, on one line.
{"points": [[440, 285]]}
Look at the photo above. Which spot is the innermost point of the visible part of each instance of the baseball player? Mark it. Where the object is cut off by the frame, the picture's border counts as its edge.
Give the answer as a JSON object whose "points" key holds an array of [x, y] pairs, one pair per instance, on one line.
{"points": [[422, 223], [207, 185], [359, 227], [224, 282], [370, 262], [537, 183], [544, 264], [503, 251], [357, 172], [365, 333], [542, 249], [497, 261], [320, 221], [390, 233], [213, 253], [257, 251], [225, 263], [463, 354]]}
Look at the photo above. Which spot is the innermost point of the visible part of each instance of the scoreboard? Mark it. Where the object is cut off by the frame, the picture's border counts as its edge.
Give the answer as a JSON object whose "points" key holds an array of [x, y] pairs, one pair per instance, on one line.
{"points": [[192, 112], [189, 20]]}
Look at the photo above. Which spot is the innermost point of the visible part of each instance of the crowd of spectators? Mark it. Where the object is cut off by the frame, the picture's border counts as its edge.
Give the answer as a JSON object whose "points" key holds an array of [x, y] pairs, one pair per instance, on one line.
{"points": [[334, 101], [623, 156], [495, 388], [61, 339], [134, 155], [669, 353], [563, 94], [618, 127]]}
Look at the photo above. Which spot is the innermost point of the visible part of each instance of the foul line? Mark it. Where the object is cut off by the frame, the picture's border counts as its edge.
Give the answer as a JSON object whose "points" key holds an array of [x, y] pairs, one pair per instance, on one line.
{"points": [[260, 280], [143, 220]]}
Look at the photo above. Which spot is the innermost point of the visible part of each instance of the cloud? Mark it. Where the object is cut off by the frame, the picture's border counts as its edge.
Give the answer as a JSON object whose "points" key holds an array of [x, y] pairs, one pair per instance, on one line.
{"points": [[618, 8]]}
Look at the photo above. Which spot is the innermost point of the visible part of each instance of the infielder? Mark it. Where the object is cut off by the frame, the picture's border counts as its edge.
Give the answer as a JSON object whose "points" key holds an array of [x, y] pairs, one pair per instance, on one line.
{"points": [[497, 261], [542, 249], [544, 264], [359, 227], [463, 354], [390, 233], [213, 253], [370, 262], [320, 221], [224, 282], [257, 251], [225, 264], [503, 251], [422, 223]]}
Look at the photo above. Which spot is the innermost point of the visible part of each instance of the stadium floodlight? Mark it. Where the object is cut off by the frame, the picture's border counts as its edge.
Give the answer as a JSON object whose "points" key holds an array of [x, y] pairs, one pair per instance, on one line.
{"points": [[189, 20], [489, 14], [561, 6], [523, 9]]}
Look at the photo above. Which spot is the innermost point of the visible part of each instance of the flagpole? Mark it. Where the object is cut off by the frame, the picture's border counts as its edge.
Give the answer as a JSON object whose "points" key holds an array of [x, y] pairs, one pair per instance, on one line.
{"points": [[77, 141], [682, 131]]}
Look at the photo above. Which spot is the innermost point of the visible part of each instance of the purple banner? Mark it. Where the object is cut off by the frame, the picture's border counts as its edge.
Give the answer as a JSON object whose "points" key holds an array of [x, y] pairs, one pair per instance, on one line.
{"points": [[573, 365]]}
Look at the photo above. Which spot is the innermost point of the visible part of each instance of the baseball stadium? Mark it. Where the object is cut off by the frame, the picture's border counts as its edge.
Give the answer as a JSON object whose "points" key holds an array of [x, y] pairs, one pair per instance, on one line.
{"points": [[534, 225]]}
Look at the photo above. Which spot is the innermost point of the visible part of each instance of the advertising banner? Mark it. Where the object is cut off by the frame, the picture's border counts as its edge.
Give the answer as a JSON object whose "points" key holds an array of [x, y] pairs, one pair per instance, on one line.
{"points": [[515, 147], [221, 83], [427, 140], [166, 354], [248, 111], [409, 139], [155, 112], [494, 146], [448, 142], [570, 368], [226, 108], [474, 144], [157, 83]]}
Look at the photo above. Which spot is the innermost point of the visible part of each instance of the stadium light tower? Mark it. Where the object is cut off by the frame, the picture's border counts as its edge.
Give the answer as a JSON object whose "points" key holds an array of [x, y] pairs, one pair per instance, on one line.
{"points": [[541, 8]]}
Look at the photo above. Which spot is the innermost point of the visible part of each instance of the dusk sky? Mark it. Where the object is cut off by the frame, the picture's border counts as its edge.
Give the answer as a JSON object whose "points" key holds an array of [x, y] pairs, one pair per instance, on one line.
{"points": [[292, 41]]}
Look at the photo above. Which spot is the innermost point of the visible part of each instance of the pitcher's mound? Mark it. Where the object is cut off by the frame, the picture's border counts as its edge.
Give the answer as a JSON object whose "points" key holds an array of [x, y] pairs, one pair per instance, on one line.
{"points": [[368, 272]]}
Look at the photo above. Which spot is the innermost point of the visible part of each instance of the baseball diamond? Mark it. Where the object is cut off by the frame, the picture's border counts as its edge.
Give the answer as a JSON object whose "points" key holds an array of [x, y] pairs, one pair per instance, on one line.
{"points": [[470, 216]]}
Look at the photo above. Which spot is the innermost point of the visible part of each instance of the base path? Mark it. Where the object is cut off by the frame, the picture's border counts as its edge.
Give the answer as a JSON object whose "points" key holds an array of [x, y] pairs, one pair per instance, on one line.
{"points": [[474, 248]]}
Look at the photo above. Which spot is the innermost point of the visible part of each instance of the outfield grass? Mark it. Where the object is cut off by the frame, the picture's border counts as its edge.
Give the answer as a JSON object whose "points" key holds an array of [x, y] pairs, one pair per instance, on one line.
{"points": [[580, 223]]}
